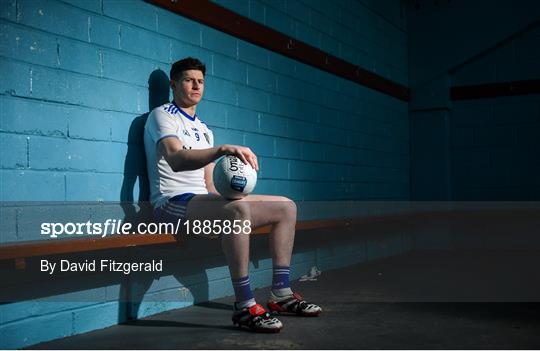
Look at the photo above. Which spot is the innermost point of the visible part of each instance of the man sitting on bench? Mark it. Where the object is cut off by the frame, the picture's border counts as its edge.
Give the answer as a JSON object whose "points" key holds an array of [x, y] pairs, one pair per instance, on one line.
{"points": [[180, 156]]}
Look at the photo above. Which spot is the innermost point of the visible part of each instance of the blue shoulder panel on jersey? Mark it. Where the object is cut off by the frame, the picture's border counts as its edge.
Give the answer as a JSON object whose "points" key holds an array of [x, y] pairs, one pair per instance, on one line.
{"points": [[172, 109]]}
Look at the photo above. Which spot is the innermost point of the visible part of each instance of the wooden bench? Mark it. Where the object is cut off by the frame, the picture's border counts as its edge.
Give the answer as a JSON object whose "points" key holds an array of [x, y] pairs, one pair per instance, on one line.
{"points": [[19, 251]]}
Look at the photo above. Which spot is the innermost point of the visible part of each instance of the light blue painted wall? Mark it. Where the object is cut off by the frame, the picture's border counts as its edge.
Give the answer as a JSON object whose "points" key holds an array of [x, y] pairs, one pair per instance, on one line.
{"points": [[371, 34], [84, 75], [73, 98]]}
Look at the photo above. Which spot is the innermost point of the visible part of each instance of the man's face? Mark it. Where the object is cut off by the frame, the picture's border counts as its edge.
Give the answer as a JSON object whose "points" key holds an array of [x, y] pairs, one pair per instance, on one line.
{"points": [[189, 88]]}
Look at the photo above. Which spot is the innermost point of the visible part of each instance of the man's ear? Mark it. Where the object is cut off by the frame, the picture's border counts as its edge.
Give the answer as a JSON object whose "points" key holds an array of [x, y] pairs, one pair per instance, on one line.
{"points": [[172, 83]]}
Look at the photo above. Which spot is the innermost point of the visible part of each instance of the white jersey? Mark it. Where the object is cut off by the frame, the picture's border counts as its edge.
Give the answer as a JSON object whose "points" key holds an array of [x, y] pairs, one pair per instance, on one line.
{"points": [[165, 121]]}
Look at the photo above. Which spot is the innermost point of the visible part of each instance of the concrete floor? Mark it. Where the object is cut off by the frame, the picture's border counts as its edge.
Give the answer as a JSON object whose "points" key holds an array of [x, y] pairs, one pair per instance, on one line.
{"points": [[433, 300]]}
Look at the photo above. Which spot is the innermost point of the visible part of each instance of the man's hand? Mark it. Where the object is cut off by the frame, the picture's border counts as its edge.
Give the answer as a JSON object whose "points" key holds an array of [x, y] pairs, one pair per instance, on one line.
{"points": [[243, 153]]}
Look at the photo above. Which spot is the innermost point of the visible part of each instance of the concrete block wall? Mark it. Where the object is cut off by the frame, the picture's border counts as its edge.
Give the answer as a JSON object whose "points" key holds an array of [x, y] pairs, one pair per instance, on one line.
{"points": [[515, 59], [75, 92], [484, 149], [73, 87], [331, 139], [495, 143], [80, 70], [371, 34]]}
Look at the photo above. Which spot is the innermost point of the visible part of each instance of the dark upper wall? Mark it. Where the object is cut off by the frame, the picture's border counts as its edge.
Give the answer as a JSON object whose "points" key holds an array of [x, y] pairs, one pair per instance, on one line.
{"points": [[484, 149], [444, 34]]}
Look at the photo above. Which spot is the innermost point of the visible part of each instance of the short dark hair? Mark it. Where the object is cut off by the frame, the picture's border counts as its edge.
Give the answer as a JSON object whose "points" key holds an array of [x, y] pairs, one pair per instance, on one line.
{"points": [[186, 64]]}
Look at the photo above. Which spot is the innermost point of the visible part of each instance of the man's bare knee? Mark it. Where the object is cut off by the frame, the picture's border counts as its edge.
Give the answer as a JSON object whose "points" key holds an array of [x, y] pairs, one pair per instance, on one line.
{"points": [[287, 207], [237, 210]]}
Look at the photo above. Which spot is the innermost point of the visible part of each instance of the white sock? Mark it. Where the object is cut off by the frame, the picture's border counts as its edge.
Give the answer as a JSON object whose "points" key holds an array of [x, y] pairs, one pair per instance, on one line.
{"points": [[245, 304], [281, 293]]}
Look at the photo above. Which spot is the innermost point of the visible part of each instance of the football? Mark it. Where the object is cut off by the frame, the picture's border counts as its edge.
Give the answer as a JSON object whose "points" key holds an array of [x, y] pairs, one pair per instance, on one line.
{"points": [[233, 179]]}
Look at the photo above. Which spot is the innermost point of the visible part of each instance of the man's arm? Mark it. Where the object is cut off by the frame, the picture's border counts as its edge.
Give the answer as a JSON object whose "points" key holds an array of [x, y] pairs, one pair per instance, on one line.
{"points": [[183, 159], [208, 177], [190, 159]]}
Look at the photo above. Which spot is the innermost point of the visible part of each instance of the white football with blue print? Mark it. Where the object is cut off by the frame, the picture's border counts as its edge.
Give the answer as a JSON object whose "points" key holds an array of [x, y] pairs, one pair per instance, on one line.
{"points": [[233, 179]]}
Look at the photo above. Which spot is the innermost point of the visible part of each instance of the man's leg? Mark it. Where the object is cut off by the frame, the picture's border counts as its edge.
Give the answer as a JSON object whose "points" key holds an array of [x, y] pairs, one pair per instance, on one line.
{"points": [[236, 247], [261, 210], [280, 212]]}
